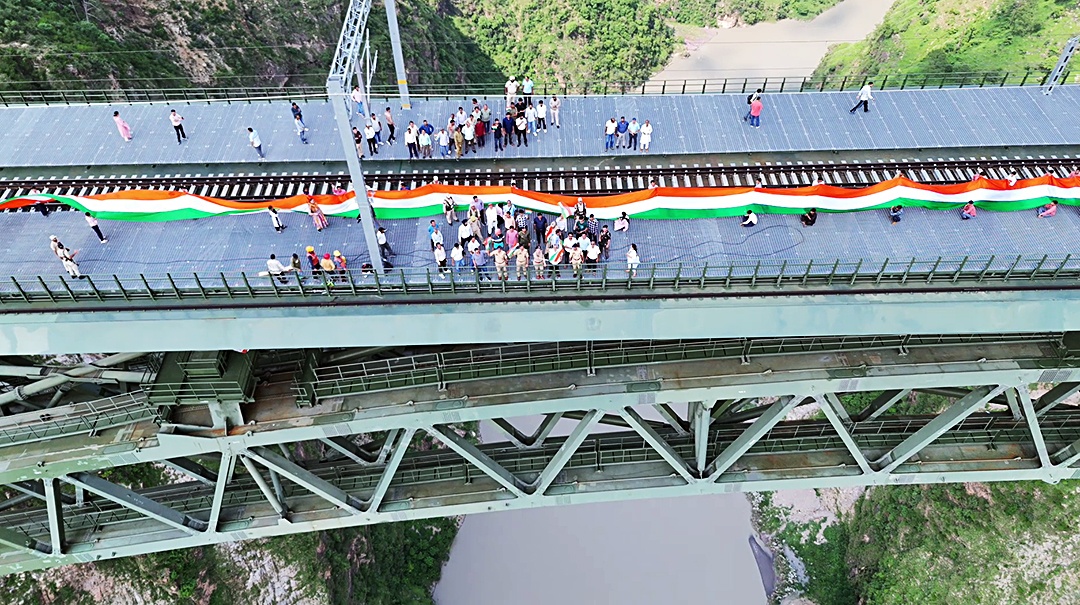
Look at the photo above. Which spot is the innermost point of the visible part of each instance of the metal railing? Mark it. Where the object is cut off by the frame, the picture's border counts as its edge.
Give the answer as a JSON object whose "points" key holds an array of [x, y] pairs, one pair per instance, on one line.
{"points": [[247, 94], [612, 279], [823, 83], [76, 419], [529, 359]]}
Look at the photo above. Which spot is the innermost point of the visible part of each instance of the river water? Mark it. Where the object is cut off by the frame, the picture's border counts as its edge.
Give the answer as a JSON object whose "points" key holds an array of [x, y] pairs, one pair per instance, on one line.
{"points": [[685, 550], [786, 48]]}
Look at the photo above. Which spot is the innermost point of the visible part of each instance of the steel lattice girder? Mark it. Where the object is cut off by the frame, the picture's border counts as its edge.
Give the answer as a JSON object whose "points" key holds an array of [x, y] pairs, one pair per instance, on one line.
{"points": [[653, 459]]}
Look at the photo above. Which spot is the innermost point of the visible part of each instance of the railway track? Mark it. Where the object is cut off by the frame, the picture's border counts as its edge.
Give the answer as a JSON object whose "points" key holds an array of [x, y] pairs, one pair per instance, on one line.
{"points": [[570, 181]]}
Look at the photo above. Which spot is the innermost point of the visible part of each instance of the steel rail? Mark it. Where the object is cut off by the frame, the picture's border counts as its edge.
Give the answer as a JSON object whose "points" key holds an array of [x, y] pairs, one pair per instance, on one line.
{"points": [[570, 181]]}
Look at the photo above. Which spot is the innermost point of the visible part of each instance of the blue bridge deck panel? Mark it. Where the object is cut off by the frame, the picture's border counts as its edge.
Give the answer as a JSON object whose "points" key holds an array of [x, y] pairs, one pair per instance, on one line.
{"points": [[231, 244], [684, 124]]}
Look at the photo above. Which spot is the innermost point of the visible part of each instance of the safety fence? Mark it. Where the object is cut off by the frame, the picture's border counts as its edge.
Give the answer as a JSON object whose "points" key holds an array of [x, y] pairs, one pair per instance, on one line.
{"points": [[822, 83], [608, 279]]}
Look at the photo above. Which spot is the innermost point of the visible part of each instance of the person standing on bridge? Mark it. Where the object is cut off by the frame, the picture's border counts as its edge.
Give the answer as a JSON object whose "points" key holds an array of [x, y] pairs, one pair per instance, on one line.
{"points": [[358, 98], [527, 90], [632, 260], [177, 122], [541, 116], [646, 136], [122, 126], [864, 97], [620, 132], [755, 112], [632, 131], [390, 125], [90, 220], [749, 102], [301, 130], [384, 246], [317, 216], [275, 219], [358, 140], [377, 125], [255, 142], [412, 141], [296, 113], [370, 136], [609, 133], [554, 107], [521, 127]]}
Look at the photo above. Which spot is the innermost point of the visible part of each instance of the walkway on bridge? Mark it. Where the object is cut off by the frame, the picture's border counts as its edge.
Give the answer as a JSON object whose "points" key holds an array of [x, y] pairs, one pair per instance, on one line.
{"points": [[231, 244], [84, 135]]}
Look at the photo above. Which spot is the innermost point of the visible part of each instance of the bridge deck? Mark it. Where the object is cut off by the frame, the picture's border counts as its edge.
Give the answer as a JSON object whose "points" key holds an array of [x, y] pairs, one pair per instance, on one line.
{"points": [[242, 243], [684, 124]]}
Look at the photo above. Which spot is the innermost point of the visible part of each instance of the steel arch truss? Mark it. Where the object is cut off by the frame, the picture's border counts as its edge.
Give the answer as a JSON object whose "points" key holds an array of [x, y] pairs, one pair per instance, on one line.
{"points": [[600, 435]]}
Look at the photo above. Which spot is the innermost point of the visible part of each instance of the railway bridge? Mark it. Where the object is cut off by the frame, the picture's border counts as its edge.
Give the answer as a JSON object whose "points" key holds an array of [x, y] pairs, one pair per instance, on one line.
{"points": [[857, 351]]}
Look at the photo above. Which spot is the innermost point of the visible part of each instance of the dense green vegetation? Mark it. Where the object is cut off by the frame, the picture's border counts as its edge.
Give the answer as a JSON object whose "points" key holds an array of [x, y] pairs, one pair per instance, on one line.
{"points": [[706, 12], [971, 544], [959, 36]]}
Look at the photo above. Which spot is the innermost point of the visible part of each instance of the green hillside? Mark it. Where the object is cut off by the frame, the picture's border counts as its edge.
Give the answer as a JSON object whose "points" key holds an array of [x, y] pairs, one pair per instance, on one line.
{"points": [[959, 36]]}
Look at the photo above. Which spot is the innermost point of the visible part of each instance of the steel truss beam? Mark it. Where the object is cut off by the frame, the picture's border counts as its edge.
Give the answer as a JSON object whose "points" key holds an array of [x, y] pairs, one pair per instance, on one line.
{"points": [[651, 459]]}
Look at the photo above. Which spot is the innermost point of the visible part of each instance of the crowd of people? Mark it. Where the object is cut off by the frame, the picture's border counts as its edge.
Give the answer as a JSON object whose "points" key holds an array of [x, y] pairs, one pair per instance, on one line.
{"points": [[479, 125]]}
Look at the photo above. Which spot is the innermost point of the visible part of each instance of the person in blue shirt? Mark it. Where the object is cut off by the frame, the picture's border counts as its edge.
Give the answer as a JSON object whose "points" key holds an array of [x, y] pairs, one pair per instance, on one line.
{"points": [[632, 129], [508, 129], [620, 131]]}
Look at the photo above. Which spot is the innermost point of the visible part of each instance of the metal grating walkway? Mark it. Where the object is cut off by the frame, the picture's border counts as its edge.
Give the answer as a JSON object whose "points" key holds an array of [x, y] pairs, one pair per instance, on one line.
{"points": [[685, 124]]}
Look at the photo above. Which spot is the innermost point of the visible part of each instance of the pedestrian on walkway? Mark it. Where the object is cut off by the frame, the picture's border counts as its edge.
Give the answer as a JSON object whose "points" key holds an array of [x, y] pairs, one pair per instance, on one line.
{"points": [[554, 107], [358, 98], [67, 258], [412, 141], [610, 127], [632, 131], [521, 126], [448, 206], [530, 118], [358, 140], [755, 113], [294, 264], [756, 96], [603, 242], [646, 136], [479, 131], [301, 130], [317, 216], [510, 89], [468, 133], [177, 122], [313, 261], [443, 141], [620, 132], [122, 126], [527, 90], [275, 220], [370, 137], [297, 114], [342, 265], [424, 138], [633, 259], [391, 126], [255, 142], [541, 116], [497, 134], [90, 220], [508, 122], [459, 143], [384, 246], [377, 125], [864, 97], [276, 269]]}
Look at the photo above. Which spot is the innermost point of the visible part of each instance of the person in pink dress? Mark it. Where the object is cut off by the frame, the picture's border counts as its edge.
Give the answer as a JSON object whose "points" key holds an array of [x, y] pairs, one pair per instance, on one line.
{"points": [[317, 216], [122, 126]]}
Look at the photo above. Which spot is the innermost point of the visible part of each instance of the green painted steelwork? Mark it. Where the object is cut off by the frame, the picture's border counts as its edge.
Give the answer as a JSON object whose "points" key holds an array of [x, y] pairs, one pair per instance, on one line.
{"points": [[393, 480]]}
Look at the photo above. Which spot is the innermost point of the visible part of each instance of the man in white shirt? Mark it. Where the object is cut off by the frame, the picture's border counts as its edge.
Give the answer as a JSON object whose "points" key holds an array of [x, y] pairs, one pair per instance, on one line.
{"points": [[464, 233], [177, 123], [609, 133], [276, 269], [510, 89], [358, 98], [255, 142], [750, 219], [864, 98]]}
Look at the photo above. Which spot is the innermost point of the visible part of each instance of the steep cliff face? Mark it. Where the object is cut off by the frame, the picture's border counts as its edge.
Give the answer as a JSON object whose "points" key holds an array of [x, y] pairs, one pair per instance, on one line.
{"points": [[172, 43]]}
